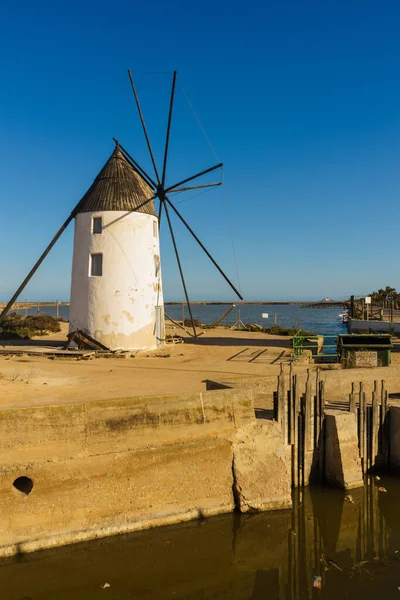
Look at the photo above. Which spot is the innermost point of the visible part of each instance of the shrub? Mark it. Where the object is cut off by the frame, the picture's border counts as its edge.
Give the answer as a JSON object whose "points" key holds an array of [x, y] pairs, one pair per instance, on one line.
{"points": [[188, 323], [17, 326], [289, 331]]}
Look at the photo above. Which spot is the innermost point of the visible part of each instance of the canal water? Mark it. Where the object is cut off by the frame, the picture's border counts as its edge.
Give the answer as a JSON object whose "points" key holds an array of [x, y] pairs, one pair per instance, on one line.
{"points": [[331, 546], [315, 320]]}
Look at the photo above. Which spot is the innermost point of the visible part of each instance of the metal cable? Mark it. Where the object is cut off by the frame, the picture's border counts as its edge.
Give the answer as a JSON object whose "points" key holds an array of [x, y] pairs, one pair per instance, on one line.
{"points": [[230, 233], [200, 124], [195, 196]]}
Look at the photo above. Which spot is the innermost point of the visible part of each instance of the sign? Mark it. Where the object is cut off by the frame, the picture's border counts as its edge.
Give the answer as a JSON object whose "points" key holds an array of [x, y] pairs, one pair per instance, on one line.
{"points": [[265, 315], [388, 298], [367, 299], [366, 358]]}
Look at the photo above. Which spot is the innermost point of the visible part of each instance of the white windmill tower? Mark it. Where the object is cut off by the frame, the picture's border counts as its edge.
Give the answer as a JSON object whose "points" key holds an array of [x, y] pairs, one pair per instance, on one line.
{"points": [[116, 290]]}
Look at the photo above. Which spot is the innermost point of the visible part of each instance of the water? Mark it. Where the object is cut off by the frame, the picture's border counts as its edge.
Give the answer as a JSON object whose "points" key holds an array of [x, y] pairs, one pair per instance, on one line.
{"points": [[315, 320], [354, 547]]}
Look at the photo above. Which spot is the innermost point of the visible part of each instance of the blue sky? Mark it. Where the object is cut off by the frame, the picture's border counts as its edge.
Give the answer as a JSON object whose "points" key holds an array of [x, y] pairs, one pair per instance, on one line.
{"points": [[301, 101]]}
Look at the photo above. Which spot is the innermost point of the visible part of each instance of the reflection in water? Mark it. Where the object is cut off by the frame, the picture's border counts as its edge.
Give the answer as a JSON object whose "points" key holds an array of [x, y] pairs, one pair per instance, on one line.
{"points": [[349, 547]]}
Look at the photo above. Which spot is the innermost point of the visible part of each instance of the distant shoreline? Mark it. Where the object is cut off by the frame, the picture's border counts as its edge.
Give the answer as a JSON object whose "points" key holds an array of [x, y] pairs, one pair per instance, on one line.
{"points": [[305, 303]]}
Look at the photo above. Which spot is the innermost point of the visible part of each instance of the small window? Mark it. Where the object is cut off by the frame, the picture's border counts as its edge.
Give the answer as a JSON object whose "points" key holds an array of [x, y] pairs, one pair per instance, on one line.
{"points": [[97, 225], [96, 265], [155, 229]]}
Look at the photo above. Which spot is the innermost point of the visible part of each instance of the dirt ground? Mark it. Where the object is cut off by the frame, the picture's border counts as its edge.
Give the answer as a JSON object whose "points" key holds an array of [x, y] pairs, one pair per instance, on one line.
{"points": [[183, 367], [177, 368]]}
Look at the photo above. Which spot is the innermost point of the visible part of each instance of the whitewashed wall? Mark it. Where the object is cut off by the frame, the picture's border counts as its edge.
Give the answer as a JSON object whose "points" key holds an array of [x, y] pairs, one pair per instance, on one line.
{"points": [[118, 308], [375, 326]]}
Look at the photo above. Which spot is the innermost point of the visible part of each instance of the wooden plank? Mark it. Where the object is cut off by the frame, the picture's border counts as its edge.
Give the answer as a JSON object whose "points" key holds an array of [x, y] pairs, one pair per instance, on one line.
{"points": [[13, 351], [84, 339]]}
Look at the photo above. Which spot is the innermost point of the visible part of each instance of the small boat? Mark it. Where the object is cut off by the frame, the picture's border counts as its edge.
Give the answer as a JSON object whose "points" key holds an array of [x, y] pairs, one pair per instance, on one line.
{"points": [[345, 316]]}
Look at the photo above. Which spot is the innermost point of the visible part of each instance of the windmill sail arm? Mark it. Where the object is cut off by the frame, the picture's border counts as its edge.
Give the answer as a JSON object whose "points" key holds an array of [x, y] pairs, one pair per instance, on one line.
{"points": [[146, 135], [203, 248], [171, 105], [197, 187], [178, 260], [172, 187]]}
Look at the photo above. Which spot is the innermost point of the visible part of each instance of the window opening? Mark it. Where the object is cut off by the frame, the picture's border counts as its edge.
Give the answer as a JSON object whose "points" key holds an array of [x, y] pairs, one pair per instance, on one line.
{"points": [[97, 225], [96, 265]]}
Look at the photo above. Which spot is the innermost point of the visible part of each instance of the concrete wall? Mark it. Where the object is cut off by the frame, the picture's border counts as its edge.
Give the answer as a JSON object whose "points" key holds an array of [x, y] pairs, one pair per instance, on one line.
{"points": [[342, 457], [118, 308], [375, 326], [107, 467]]}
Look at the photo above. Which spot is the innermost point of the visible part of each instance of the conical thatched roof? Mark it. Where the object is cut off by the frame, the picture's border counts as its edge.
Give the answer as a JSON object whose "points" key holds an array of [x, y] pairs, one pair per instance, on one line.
{"points": [[117, 187]]}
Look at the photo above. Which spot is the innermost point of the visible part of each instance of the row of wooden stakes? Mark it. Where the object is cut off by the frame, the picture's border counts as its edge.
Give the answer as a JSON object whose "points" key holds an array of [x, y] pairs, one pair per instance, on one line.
{"points": [[301, 416]]}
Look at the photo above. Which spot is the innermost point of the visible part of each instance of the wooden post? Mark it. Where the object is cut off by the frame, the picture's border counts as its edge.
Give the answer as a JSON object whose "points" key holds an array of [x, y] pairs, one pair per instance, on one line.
{"points": [[183, 313], [374, 424], [38, 308], [274, 318], [352, 308], [384, 426], [295, 446], [281, 395], [321, 454], [352, 406], [307, 429], [292, 407], [362, 427], [26, 307], [365, 450], [285, 412], [57, 316], [317, 419], [310, 413], [300, 445]]}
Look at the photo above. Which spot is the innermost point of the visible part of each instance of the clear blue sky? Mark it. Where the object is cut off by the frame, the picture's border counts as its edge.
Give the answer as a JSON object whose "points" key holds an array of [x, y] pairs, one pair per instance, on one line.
{"points": [[301, 100]]}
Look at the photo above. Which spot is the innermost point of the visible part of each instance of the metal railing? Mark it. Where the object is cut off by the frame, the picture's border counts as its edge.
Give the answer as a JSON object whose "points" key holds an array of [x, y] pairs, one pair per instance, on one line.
{"points": [[320, 349]]}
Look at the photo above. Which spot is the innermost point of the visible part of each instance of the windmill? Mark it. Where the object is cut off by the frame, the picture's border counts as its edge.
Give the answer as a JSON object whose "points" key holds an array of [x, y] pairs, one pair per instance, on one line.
{"points": [[156, 187]]}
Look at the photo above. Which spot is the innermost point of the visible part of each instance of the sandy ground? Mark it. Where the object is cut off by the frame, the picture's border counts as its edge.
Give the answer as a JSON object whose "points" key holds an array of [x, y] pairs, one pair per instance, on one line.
{"points": [[177, 368], [184, 367]]}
